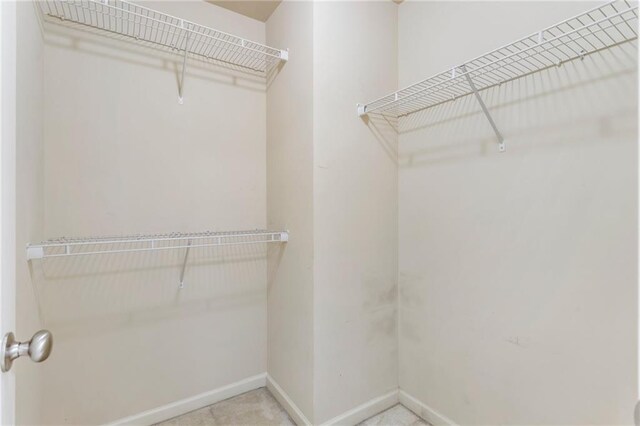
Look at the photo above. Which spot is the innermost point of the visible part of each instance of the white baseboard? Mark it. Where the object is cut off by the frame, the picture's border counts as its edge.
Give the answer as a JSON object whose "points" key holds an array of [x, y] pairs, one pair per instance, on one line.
{"points": [[366, 410], [183, 406], [351, 417], [424, 411], [281, 396]]}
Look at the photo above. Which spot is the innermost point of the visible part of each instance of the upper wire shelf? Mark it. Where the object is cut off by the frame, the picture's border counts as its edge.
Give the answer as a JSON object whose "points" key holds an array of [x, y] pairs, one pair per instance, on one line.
{"points": [[140, 23], [64, 247], [600, 28]]}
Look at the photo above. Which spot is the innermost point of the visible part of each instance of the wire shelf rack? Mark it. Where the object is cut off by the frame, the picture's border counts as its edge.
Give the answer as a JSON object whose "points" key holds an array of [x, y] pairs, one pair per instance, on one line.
{"points": [[64, 247], [127, 19], [600, 28]]}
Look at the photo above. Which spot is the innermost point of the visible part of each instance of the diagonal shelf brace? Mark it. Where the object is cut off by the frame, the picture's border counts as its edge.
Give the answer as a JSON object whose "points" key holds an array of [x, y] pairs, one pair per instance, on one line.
{"points": [[184, 67], [184, 264], [501, 146]]}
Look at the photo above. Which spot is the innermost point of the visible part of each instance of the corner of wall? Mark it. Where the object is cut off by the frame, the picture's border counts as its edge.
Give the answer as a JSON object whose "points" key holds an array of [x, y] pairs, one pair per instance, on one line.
{"points": [[290, 206]]}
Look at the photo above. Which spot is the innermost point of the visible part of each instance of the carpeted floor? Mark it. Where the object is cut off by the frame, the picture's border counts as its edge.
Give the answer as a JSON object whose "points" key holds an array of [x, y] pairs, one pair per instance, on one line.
{"points": [[259, 408]]}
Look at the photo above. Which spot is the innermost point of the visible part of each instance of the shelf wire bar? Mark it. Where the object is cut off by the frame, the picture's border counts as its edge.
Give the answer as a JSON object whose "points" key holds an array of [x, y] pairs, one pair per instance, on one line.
{"points": [[603, 27], [65, 247], [123, 18]]}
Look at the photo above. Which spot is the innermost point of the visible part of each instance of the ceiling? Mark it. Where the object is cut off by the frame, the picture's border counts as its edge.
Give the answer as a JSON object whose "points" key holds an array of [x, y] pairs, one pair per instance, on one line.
{"points": [[256, 9]]}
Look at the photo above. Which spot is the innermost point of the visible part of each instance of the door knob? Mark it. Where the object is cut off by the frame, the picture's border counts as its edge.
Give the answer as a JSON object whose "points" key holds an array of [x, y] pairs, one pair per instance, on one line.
{"points": [[38, 348]]}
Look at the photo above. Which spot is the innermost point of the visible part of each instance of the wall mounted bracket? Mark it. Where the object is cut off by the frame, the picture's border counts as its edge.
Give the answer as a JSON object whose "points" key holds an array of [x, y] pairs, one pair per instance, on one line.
{"points": [[184, 67], [501, 145], [184, 264], [125, 19], [606, 26]]}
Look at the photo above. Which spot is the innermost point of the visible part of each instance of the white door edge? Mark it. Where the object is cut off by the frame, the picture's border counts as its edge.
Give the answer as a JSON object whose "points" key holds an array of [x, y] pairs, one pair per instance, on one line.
{"points": [[8, 46]]}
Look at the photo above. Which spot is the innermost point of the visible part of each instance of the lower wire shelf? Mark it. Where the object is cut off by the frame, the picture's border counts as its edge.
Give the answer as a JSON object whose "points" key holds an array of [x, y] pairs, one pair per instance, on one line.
{"points": [[63, 247]]}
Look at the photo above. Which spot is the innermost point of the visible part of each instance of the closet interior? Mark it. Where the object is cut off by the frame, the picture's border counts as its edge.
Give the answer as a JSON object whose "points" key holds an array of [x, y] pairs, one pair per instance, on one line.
{"points": [[205, 206]]}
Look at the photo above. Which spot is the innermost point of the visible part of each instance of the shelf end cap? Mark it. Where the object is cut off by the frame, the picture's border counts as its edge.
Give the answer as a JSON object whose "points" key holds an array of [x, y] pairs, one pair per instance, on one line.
{"points": [[35, 252]]}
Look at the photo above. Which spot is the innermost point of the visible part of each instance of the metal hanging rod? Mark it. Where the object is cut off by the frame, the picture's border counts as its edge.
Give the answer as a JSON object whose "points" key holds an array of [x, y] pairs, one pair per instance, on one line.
{"points": [[65, 247], [603, 27], [127, 19]]}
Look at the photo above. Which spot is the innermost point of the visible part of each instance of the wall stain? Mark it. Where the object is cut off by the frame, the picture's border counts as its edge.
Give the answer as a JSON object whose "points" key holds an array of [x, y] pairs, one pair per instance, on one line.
{"points": [[517, 341]]}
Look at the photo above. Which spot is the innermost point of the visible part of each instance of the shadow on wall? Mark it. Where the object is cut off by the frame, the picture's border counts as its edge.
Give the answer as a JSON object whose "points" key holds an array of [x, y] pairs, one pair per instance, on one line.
{"points": [[560, 105], [101, 293], [273, 72], [385, 130], [274, 257], [118, 47]]}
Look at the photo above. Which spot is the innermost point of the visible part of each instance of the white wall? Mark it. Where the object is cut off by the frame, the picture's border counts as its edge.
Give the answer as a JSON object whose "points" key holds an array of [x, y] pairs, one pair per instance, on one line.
{"points": [[518, 270], [30, 203], [333, 184], [355, 207], [123, 157], [290, 204]]}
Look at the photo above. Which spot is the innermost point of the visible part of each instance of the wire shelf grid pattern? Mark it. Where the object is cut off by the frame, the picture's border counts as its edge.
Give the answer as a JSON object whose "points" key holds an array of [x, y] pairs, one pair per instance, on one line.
{"points": [[61, 247], [600, 28], [140, 23]]}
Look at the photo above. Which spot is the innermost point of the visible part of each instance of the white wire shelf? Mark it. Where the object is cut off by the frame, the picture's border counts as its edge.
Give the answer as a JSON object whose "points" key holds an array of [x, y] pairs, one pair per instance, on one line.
{"points": [[65, 247], [600, 28], [147, 25]]}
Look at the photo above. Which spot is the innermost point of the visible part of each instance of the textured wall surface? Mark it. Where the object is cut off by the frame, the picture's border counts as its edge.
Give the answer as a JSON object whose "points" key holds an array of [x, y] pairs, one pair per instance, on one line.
{"points": [[123, 157], [518, 270], [494, 288], [290, 204], [355, 207]]}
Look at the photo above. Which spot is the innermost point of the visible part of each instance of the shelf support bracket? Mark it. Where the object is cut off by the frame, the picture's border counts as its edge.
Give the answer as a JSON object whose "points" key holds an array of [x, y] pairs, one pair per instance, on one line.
{"points": [[184, 67], [501, 145], [184, 264], [35, 252]]}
